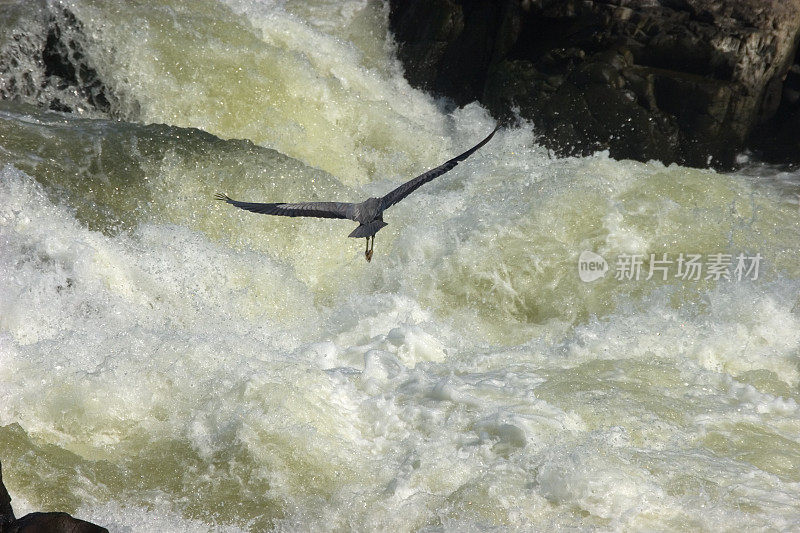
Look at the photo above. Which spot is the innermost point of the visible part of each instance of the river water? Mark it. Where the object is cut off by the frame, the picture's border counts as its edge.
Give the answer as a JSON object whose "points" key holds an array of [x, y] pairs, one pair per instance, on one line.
{"points": [[171, 363]]}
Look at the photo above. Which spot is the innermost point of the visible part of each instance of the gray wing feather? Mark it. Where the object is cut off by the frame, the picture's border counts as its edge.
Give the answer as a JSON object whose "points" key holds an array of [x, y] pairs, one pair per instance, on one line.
{"points": [[302, 209], [410, 186]]}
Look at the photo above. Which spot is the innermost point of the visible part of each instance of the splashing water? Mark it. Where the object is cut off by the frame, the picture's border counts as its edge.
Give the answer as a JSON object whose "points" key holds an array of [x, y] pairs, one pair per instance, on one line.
{"points": [[168, 363]]}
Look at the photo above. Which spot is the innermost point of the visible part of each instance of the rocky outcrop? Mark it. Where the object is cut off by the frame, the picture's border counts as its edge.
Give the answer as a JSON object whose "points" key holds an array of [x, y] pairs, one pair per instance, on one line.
{"points": [[686, 81], [39, 522]]}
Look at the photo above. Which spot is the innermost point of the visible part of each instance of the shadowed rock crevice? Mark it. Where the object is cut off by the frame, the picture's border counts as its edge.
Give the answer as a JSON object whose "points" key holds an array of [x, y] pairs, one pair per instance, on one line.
{"points": [[687, 81]]}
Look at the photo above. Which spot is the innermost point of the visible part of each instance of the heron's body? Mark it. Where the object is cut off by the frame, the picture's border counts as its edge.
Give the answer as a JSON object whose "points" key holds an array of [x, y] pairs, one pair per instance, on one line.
{"points": [[368, 214]]}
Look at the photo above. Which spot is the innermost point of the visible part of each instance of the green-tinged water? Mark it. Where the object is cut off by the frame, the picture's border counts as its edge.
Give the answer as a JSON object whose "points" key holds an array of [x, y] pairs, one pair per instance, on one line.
{"points": [[170, 363]]}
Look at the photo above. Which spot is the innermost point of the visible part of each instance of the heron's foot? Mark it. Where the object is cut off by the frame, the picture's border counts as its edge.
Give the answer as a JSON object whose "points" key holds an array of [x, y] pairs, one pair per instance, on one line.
{"points": [[368, 251]]}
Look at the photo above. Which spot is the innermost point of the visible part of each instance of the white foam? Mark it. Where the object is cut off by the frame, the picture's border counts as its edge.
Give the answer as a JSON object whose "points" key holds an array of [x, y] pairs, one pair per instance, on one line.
{"points": [[229, 370]]}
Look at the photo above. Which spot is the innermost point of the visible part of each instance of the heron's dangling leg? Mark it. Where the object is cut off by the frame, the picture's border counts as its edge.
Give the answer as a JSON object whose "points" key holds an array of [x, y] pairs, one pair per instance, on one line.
{"points": [[368, 252]]}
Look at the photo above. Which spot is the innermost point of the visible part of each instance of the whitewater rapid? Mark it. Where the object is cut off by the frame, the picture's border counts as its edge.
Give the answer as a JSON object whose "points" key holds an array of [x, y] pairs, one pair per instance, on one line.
{"points": [[169, 363]]}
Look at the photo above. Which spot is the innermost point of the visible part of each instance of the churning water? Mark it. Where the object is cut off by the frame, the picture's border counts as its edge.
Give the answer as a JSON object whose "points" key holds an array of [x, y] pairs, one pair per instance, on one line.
{"points": [[170, 363]]}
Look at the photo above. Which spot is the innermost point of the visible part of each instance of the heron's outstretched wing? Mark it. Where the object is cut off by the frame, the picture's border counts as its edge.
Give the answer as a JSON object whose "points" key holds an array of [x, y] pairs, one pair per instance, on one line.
{"points": [[412, 185], [304, 209]]}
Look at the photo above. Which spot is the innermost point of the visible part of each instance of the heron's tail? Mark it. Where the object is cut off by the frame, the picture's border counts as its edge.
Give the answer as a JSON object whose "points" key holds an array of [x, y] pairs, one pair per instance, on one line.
{"points": [[368, 230]]}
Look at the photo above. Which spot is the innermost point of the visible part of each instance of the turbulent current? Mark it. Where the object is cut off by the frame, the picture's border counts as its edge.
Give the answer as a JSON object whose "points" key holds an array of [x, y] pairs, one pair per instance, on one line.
{"points": [[171, 363]]}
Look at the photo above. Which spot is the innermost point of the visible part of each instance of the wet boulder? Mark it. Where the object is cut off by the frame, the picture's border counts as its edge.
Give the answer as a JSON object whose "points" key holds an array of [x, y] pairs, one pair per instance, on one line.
{"points": [[686, 81]]}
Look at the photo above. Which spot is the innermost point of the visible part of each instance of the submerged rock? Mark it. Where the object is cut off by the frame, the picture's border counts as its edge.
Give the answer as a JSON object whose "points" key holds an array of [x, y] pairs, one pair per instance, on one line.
{"points": [[40, 522], [686, 81], [43, 61]]}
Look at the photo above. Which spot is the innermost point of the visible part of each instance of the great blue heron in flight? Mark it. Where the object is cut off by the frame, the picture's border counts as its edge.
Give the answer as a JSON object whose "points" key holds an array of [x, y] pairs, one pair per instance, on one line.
{"points": [[368, 214]]}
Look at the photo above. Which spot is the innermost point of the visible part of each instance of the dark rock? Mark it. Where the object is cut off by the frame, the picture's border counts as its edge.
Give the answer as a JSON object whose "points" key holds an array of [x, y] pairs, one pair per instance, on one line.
{"points": [[448, 45], [53, 523], [427, 29], [65, 61], [58, 73], [6, 512], [40, 522], [778, 139], [686, 81]]}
